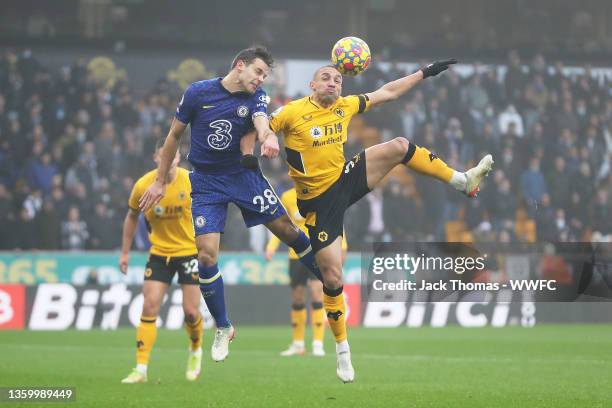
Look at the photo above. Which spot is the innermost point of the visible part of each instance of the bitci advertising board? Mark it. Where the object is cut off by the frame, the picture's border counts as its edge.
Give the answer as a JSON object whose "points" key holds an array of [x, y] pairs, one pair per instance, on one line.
{"points": [[62, 306]]}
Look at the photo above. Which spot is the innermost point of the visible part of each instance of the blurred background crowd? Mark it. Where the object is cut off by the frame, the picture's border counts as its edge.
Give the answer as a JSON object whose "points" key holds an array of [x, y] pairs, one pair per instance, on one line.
{"points": [[70, 151], [71, 147]]}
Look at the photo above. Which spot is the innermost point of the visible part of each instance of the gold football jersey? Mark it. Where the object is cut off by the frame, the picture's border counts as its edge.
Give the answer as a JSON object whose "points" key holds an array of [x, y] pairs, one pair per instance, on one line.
{"points": [[314, 140], [170, 225]]}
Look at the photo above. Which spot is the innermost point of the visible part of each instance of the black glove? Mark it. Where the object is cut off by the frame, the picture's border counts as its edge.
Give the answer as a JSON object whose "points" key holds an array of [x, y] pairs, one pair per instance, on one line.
{"points": [[435, 68], [249, 161]]}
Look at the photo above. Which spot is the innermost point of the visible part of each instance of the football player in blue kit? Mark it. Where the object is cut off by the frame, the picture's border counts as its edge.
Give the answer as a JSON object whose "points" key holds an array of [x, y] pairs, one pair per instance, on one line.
{"points": [[221, 112]]}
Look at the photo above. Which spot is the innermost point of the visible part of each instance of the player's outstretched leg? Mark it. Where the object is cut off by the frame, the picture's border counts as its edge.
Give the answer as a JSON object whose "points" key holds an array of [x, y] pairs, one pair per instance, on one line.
{"points": [[193, 325], [383, 157], [329, 259], [212, 289]]}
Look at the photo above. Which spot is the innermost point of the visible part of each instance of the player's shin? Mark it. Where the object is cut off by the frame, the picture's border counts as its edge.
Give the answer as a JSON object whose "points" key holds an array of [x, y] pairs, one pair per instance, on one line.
{"points": [[194, 331], [317, 318], [301, 246], [211, 286], [425, 162], [298, 322], [146, 334], [333, 301]]}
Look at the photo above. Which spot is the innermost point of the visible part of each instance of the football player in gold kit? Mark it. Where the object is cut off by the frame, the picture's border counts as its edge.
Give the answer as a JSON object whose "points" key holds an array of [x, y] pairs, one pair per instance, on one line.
{"points": [[315, 130], [173, 251], [299, 278]]}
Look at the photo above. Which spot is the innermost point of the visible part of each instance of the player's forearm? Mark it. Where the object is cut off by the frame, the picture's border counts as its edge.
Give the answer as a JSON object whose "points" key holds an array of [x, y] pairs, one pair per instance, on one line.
{"points": [[167, 154], [397, 88], [130, 224], [247, 143], [262, 127]]}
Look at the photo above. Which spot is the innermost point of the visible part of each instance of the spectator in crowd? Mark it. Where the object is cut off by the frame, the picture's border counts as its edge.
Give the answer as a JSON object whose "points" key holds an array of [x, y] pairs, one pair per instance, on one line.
{"points": [[74, 231]]}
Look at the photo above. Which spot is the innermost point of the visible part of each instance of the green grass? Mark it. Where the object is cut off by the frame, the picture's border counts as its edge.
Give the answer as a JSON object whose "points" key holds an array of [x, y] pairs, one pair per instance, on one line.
{"points": [[550, 366]]}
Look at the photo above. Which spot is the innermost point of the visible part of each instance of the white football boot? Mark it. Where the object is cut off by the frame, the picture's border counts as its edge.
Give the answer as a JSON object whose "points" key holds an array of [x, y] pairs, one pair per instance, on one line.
{"points": [[194, 365], [475, 175], [344, 368], [296, 348], [317, 349], [135, 377], [220, 347]]}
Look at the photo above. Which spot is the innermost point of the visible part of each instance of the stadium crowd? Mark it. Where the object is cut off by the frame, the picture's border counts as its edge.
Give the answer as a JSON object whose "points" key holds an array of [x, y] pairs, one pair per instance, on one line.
{"points": [[71, 149]]}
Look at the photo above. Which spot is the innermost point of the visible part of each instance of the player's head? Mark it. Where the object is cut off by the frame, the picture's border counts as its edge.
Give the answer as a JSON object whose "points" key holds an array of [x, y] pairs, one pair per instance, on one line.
{"points": [[326, 84], [252, 66], [157, 154]]}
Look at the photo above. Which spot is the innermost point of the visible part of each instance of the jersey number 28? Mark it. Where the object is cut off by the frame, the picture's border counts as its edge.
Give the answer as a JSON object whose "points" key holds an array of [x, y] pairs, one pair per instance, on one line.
{"points": [[259, 200]]}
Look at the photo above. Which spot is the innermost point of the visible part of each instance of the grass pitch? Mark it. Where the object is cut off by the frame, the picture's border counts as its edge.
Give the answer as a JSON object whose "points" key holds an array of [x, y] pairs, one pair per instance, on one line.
{"points": [[549, 366]]}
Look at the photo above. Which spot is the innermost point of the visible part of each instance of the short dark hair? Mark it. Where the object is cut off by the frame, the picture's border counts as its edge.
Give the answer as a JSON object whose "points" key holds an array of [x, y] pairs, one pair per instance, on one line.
{"points": [[249, 55], [314, 76]]}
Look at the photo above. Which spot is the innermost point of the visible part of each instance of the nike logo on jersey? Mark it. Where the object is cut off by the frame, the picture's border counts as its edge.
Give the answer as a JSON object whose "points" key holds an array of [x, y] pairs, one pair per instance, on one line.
{"points": [[207, 106], [274, 212], [307, 117]]}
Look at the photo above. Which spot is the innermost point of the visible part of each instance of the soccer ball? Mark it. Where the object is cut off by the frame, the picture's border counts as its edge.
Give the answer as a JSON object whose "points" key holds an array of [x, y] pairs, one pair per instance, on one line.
{"points": [[351, 56]]}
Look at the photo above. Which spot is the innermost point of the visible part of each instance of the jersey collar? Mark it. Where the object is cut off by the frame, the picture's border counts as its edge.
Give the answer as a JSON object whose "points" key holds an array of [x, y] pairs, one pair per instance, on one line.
{"points": [[227, 91], [319, 106]]}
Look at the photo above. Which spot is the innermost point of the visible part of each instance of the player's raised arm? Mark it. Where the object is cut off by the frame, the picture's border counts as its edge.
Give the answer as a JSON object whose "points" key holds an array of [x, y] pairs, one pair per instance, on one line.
{"points": [[394, 89], [156, 191]]}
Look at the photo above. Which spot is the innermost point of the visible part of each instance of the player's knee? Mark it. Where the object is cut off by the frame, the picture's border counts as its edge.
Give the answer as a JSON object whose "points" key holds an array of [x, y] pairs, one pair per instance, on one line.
{"points": [[150, 308], [332, 277], [400, 146], [299, 299], [191, 315], [206, 258], [288, 232]]}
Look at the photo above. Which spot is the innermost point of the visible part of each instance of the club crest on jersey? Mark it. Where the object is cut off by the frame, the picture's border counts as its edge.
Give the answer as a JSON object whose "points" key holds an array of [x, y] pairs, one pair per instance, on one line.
{"points": [[339, 112], [200, 221], [316, 132], [242, 111]]}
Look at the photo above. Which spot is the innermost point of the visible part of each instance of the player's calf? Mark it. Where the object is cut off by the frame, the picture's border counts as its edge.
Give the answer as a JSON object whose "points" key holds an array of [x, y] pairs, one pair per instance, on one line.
{"points": [[295, 238]]}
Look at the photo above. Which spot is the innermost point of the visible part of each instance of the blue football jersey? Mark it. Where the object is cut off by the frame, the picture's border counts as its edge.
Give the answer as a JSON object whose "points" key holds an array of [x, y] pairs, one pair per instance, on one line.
{"points": [[218, 119]]}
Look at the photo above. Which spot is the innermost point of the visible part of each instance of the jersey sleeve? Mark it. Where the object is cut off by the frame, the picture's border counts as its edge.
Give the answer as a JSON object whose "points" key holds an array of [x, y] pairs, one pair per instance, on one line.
{"points": [[261, 104], [358, 103], [187, 107], [279, 119], [137, 192]]}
